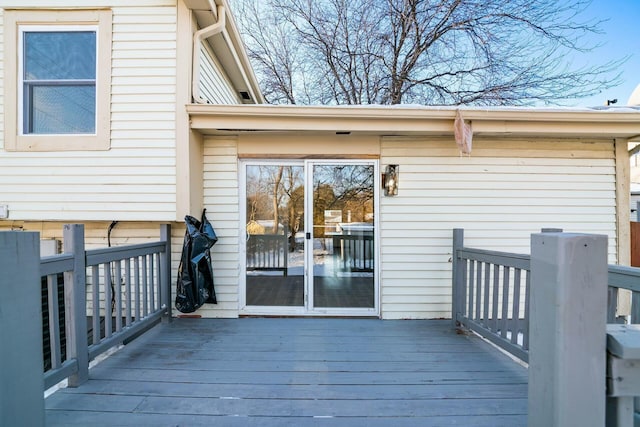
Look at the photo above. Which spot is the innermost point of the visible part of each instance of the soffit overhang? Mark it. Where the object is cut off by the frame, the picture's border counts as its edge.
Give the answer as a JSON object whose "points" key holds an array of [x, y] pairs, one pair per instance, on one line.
{"points": [[611, 123]]}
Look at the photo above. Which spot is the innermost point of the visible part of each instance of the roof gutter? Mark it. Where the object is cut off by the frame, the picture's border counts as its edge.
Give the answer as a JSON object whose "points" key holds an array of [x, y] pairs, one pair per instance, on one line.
{"points": [[198, 37]]}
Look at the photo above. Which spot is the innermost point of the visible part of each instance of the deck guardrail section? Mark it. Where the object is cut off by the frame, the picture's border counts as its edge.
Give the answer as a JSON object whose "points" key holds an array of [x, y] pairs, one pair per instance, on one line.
{"points": [[267, 252], [491, 294], [111, 294], [628, 278]]}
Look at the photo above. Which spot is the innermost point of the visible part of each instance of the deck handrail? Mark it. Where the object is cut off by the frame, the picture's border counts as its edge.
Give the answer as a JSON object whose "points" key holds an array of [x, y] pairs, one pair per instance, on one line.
{"points": [[124, 290], [484, 279]]}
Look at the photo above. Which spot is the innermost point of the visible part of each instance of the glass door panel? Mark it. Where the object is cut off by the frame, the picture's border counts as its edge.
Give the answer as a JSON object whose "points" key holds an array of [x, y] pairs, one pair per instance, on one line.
{"points": [[275, 235], [343, 241]]}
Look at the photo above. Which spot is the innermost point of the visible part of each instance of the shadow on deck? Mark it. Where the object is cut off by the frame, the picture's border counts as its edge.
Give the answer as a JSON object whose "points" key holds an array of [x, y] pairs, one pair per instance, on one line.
{"points": [[299, 372]]}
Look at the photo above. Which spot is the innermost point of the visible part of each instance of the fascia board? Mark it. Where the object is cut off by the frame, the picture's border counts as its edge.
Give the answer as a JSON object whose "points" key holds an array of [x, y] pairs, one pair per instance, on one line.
{"points": [[423, 120]]}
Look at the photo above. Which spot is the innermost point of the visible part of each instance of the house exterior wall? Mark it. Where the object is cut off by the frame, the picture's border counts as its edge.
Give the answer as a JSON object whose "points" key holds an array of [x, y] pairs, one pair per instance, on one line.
{"points": [[503, 192], [135, 179]]}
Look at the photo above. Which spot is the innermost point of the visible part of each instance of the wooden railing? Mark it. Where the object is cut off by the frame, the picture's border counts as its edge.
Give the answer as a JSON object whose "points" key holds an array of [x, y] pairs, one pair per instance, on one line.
{"points": [[491, 294], [111, 295], [268, 252], [353, 252]]}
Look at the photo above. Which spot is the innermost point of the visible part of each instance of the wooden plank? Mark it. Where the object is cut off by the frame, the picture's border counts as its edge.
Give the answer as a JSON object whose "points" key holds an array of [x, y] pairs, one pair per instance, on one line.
{"points": [[520, 261], [416, 378], [287, 392]]}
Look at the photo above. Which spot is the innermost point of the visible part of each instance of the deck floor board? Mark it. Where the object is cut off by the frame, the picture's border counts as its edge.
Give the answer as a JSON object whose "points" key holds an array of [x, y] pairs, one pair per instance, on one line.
{"points": [[299, 372]]}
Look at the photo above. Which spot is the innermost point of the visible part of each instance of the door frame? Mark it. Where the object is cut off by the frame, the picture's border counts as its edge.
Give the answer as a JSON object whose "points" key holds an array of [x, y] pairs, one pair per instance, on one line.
{"points": [[307, 309]]}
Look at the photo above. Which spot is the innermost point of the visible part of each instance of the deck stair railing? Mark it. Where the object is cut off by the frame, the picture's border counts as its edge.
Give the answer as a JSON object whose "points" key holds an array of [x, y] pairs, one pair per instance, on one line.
{"points": [[111, 295]]}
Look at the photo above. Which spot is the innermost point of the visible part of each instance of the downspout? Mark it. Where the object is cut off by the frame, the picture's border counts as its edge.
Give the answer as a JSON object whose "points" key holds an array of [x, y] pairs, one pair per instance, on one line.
{"points": [[197, 40]]}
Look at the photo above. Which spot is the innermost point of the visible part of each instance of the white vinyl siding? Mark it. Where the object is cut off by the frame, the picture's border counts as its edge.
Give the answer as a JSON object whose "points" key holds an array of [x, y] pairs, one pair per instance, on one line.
{"points": [[502, 193], [221, 199], [136, 178], [214, 86]]}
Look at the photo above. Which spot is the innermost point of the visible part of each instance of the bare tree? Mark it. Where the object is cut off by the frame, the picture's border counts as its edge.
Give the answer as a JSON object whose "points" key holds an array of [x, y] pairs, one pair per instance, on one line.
{"points": [[436, 52]]}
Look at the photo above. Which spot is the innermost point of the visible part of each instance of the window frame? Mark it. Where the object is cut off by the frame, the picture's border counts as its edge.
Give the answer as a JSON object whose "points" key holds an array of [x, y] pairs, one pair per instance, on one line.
{"points": [[24, 105], [16, 22]]}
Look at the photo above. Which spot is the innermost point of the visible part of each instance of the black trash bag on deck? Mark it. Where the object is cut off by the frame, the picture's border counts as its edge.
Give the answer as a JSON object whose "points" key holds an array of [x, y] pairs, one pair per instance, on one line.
{"points": [[195, 273]]}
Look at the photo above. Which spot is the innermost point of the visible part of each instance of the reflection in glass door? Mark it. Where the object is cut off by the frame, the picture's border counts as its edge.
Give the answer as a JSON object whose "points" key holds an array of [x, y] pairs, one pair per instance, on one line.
{"points": [[310, 237], [275, 235], [343, 243]]}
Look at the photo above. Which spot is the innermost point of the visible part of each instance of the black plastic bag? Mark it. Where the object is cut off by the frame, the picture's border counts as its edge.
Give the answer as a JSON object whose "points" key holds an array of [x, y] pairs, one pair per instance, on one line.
{"points": [[195, 273]]}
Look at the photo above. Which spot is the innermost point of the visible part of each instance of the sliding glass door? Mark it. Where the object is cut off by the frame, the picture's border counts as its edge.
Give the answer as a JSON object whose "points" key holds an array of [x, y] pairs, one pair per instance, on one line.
{"points": [[343, 245], [309, 238], [274, 235]]}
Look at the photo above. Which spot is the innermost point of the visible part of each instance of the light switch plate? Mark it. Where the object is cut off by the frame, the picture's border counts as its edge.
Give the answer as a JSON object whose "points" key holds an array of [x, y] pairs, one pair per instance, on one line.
{"points": [[4, 211]]}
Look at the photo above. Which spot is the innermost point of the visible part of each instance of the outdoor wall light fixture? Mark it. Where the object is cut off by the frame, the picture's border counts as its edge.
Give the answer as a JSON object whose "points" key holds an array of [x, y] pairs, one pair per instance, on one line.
{"points": [[390, 180]]}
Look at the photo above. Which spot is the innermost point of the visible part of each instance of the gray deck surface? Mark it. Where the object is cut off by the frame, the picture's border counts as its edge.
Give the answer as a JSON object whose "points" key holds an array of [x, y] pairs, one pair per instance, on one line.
{"points": [[299, 372]]}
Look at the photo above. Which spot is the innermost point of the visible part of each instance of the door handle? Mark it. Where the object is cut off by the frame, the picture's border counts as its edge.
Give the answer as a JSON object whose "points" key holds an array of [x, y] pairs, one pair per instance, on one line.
{"points": [[308, 236]]}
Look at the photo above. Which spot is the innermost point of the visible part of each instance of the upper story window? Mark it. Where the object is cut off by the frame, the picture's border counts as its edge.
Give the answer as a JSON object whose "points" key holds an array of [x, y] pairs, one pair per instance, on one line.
{"points": [[57, 80], [58, 72]]}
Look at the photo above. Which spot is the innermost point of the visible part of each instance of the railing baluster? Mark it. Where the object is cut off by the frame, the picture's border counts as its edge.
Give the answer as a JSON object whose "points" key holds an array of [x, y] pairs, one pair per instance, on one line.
{"points": [[612, 304], [525, 327], [127, 289], [95, 289], [136, 283], [158, 281], [108, 299], [152, 270], [478, 290], [145, 303], [472, 267], [487, 299], [496, 296], [54, 321], [505, 303], [515, 310], [464, 288], [118, 288]]}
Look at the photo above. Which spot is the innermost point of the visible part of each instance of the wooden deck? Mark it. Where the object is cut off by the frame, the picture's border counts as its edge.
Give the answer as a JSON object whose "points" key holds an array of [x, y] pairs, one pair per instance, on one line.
{"points": [[299, 372]]}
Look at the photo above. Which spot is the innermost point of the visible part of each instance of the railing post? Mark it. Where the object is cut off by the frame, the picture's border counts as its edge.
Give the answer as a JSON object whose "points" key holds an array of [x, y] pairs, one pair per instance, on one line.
{"points": [[457, 276], [567, 330], [75, 298], [21, 379], [165, 272]]}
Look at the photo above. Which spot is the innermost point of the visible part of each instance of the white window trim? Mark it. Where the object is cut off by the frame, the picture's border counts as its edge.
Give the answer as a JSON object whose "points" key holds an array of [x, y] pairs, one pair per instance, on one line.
{"points": [[15, 22]]}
